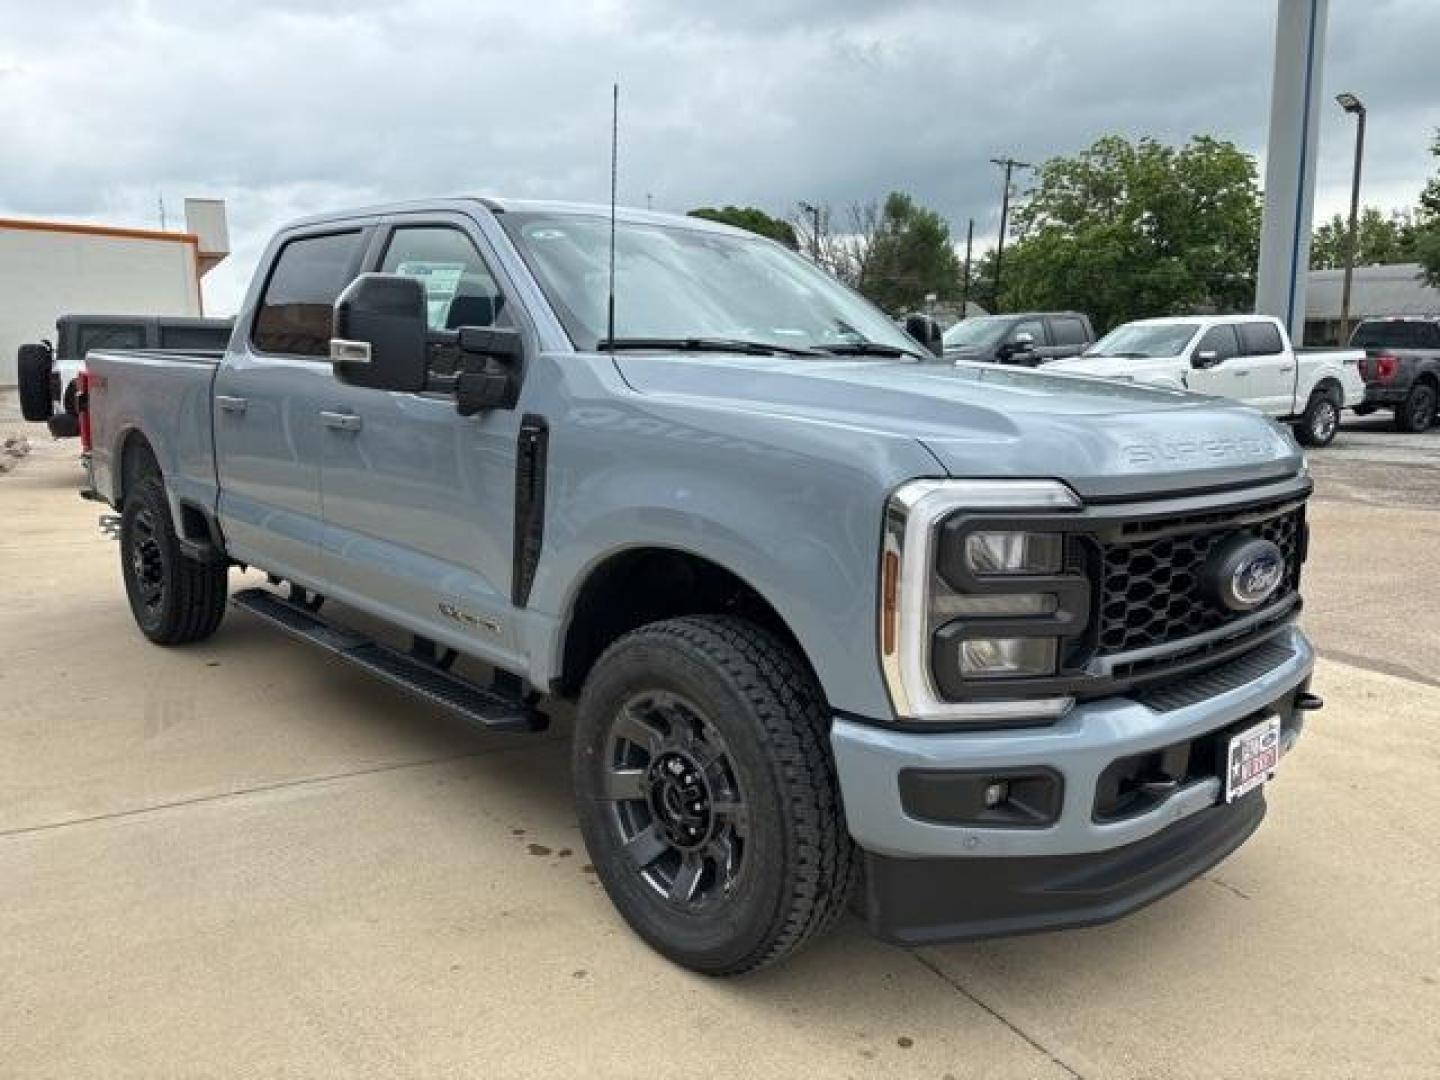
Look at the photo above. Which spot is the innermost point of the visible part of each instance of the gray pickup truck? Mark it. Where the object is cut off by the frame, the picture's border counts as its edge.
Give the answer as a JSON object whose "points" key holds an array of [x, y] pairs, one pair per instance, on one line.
{"points": [[1401, 368], [980, 650]]}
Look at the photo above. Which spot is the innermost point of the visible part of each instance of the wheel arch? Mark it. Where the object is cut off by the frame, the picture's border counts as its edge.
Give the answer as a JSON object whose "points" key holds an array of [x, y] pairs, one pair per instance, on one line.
{"points": [[194, 524]]}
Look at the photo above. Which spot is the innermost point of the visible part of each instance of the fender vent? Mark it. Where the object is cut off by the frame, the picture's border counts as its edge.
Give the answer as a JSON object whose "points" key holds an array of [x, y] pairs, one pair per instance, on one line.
{"points": [[529, 504]]}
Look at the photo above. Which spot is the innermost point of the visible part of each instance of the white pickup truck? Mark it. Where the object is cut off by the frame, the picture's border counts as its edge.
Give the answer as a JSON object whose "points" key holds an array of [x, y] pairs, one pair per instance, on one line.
{"points": [[1245, 357]]}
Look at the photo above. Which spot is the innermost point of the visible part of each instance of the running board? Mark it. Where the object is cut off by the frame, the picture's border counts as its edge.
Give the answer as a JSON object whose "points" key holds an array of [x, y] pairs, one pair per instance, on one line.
{"points": [[489, 709]]}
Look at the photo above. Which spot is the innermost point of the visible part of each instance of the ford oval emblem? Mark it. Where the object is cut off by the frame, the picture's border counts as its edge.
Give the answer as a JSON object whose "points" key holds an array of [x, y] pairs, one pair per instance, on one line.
{"points": [[1244, 572]]}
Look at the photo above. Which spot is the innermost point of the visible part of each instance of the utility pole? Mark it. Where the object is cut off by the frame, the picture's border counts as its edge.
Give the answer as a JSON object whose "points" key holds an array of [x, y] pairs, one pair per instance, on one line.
{"points": [[814, 212], [649, 201], [965, 283], [1008, 164], [1352, 104], [161, 200]]}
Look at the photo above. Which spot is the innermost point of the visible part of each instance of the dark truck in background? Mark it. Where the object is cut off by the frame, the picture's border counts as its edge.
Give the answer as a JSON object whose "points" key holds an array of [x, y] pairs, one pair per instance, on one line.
{"points": [[1029, 338], [46, 371], [1401, 368]]}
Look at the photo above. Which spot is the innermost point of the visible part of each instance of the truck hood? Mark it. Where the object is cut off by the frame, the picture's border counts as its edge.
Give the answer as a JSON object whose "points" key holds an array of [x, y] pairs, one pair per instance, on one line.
{"points": [[1108, 366], [1107, 439]]}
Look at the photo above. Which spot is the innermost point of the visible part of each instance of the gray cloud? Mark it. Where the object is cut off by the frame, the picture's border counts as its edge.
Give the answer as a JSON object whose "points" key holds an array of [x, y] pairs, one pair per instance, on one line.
{"points": [[284, 107]]}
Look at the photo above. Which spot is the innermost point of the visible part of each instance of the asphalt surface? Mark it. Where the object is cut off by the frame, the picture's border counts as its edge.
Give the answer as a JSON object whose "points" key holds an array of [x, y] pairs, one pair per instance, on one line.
{"points": [[243, 859]]}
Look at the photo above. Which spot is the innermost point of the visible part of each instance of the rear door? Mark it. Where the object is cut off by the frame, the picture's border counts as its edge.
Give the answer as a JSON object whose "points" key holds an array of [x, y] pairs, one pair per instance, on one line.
{"points": [[419, 500], [267, 402], [1269, 367]]}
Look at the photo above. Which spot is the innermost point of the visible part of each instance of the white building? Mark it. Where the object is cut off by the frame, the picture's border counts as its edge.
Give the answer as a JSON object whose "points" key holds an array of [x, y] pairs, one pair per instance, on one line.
{"points": [[50, 268], [1375, 291]]}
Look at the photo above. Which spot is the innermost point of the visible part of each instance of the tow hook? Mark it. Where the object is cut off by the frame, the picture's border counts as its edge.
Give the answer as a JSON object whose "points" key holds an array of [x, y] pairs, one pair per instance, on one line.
{"points": [[1308, 702], [110, 526]]}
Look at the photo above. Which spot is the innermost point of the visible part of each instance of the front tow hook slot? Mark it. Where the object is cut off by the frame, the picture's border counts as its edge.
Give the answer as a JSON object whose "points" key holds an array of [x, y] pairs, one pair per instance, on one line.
{"points": [[1308, 702], [110, 526]]}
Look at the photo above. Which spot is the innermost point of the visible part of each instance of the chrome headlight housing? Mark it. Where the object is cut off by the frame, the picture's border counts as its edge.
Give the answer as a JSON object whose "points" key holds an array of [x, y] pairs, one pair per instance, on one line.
{"points": [[977, 603]]}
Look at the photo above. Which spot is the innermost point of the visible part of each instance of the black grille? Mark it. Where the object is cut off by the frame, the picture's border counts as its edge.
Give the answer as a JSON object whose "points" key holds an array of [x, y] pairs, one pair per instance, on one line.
{"points": [[1152, 591]]}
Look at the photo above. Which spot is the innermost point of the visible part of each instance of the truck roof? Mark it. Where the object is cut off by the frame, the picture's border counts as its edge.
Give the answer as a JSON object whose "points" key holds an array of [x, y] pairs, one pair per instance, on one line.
{"points": [[503, 205], [1202, 320]]}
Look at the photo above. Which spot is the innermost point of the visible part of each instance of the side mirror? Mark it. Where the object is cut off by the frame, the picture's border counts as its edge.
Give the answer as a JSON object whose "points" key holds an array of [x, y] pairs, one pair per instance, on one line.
{"points": [[927, 331], [1024, 340], [378, 333], [496, 384], [1205, 358]]}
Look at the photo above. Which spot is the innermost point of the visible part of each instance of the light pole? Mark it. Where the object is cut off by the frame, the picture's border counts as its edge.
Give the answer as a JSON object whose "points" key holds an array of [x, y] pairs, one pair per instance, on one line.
{"points": [[814, 212], [1008, 164], [1353, 105]]}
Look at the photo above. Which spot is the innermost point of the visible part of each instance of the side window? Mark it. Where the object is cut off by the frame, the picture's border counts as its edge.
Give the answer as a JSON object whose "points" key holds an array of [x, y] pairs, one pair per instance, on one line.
{"points": [[108, 337], [1034, 327], [1260, 339], [1222, 340], [1431, 336], [193, 337], [294, 313], [1068, 332], [459, 289]]}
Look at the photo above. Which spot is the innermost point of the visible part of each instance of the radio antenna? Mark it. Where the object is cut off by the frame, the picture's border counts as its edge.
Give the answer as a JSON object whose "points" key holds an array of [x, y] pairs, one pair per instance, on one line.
{"points": [[614, 173]]}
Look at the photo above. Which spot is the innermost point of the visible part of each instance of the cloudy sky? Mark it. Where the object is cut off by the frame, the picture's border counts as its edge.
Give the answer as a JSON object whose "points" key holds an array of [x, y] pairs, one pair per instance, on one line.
{"points": [[285, 107]]}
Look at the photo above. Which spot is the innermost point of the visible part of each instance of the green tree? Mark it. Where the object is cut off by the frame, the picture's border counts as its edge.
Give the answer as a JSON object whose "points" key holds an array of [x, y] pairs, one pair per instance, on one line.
{"points": [[909, 255], [1426, 244], [1380, 238], [753, 219], [1126, 230]]}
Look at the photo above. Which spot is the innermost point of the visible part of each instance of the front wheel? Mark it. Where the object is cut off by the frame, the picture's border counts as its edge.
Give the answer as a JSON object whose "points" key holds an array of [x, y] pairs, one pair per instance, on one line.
{"points": [[707, 795], [1320, 420], [1417, 412], [175, 599]]}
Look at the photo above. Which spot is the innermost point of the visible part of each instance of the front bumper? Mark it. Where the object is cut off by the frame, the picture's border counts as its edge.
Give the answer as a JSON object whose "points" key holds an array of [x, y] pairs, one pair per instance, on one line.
{"points": [[1137, 858]]}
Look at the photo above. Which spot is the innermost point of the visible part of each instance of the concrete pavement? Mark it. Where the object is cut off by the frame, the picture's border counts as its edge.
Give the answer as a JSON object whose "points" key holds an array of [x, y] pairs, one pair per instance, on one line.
{"points": [[242, 859]]}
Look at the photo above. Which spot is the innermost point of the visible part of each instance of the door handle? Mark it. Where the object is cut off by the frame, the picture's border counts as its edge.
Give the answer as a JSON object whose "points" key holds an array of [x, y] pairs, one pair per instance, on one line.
{"points": [[340, 421], [231, 404], [1287, 369], [1243, 371]]}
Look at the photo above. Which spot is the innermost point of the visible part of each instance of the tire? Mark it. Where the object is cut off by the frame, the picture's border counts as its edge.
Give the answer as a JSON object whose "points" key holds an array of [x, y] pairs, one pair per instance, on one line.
{"points": [[768, 863], [1417, 412], [175, 599], [32, 371], [1320, 420]]}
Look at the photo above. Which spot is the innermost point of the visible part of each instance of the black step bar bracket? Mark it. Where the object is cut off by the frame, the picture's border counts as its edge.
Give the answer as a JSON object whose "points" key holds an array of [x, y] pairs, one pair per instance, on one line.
{"points": [[485, 708]]}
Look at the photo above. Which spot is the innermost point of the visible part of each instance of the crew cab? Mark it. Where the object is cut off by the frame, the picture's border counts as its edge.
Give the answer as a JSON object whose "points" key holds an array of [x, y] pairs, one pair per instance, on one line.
{"points": [[1245, 357], [47, 372], [1401, 368], [984, 649], [1025, 338]]}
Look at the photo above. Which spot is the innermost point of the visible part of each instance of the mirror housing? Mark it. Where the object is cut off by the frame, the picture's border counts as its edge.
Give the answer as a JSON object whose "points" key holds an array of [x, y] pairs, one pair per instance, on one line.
{"points": [[1205, 358], [926, 331], [496, 385], [378, 336]]}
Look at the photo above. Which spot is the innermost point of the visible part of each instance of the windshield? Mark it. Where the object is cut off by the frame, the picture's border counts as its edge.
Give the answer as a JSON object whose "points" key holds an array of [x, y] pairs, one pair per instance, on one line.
{"points": [[1148, 340], [982, 332], [677, 284]]}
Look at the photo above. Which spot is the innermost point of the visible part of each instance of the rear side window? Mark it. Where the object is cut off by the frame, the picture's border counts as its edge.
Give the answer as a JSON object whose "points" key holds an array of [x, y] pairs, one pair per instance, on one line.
{"points": [[294, 313], [1260, 339], [107, 337], [1068, 332], [1396, 334]]}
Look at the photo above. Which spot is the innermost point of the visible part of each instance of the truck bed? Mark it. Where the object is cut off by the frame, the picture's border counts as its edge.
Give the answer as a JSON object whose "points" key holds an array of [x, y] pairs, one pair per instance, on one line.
{"points": [[167, 394]]}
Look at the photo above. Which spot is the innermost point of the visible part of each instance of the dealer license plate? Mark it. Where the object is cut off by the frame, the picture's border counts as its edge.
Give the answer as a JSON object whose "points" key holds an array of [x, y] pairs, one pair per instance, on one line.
{"points": [[1252, 757]]}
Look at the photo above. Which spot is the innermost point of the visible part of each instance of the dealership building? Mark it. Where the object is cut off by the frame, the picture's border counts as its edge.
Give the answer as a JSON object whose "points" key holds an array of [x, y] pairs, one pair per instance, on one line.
{"points": [[54, 268]]}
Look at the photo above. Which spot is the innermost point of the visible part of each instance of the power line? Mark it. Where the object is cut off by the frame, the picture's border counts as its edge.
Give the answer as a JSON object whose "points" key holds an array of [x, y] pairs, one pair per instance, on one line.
{"points": [[1009, 164]]}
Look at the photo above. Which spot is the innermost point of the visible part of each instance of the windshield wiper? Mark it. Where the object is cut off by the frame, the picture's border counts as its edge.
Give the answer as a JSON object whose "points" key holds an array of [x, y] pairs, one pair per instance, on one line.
{"points": [[698, 344], [867, 348]]}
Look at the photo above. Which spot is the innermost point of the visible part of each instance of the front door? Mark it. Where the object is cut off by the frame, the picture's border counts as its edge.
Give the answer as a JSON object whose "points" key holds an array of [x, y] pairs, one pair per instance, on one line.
{"points": [[1219, 375], [267, 401], [419, 500]]}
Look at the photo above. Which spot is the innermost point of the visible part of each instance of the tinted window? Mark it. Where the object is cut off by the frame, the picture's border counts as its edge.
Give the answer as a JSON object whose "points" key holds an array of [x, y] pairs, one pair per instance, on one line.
{"points": [[108, 337], [1034, 327], [194, 337], [459, 290], [1396, 334], [294, 315], [1222, 340], [1068, 332], [1260, 339]]}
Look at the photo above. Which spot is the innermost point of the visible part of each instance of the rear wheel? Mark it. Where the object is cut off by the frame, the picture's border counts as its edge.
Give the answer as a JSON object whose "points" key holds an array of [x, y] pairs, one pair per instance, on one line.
{"points": [[175, 599], [1320, 420], [1417, 412], [707, 795], [33, 374]]}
